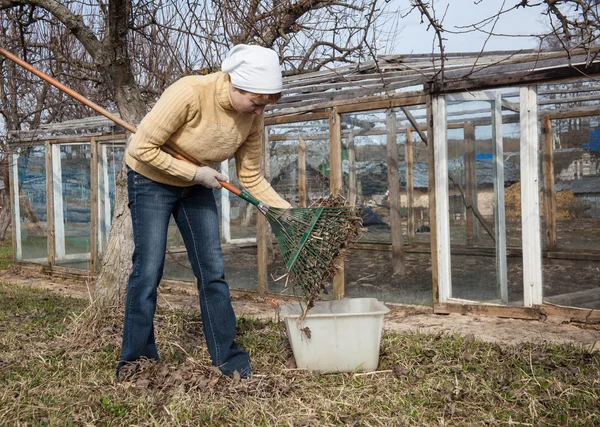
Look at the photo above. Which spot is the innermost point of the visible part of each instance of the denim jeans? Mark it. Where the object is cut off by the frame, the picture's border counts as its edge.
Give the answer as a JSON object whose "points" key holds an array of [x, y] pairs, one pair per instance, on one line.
{"points": [[195, 212]]}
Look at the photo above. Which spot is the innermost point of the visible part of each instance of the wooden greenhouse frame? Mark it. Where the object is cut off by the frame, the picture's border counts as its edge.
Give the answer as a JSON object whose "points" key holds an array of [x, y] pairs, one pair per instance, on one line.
{"points": [[398, 82]]}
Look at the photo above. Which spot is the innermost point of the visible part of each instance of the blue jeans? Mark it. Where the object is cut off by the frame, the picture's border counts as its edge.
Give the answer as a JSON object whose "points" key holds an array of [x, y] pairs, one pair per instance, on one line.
{"points": [[195, 212]]}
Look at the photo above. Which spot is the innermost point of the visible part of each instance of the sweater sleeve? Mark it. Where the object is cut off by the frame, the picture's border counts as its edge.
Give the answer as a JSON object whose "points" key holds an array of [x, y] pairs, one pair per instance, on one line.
{"points": [[248, 169], [176, 106]]}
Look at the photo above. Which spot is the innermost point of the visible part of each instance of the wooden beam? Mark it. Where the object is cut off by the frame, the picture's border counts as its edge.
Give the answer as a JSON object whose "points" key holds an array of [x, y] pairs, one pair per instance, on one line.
{"points": [[262, 228], [572, 113], [15, 207], [104, 209], [410, 191], [376, 102], [488, 310], [295, 118], [470, 183], [49, 206], [301, 172], [441, 214], [336, 186], [225, 206], [530, 209], [352, 190], [433, 236], [57, 194], [503, 79], [403, 100], [579, 315], [93, 205], [549, 194], [415, 124], [70, 139], [398, 258], [499, 208]]}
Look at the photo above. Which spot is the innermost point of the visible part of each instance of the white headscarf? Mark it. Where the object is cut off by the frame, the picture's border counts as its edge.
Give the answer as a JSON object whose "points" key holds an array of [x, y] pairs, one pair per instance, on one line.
{"points": [[254, 69]]}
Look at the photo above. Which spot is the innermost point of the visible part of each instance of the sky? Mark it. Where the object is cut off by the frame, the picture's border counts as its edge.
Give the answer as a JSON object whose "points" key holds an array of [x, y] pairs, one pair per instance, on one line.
{"points": [[410, 36]]}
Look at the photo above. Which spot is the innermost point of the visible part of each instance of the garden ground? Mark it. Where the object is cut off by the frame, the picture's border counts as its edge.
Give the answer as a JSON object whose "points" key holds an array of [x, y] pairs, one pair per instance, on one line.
{"points": [[57, 368]]}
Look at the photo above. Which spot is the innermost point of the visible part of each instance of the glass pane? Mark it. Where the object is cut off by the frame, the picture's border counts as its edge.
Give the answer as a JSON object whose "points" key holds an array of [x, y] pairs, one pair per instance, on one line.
{"points": [[571, 270], [111, 158], [242, 215], [73, 241], [369, 273], [287, 179], [576, 161], [476, 223], [31, 168], [365, 171]]}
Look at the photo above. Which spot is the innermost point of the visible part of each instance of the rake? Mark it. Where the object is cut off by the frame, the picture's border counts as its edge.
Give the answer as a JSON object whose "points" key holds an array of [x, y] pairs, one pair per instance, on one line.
{"points": [[311, 240]]}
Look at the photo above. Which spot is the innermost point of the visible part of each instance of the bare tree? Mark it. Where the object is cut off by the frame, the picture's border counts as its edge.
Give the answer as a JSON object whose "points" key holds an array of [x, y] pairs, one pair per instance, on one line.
{"points": [[129, 52]]}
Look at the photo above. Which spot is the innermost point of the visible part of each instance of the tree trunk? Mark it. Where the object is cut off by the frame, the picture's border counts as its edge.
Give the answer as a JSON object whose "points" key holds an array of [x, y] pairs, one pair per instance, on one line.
{"points": [[111, 284]]}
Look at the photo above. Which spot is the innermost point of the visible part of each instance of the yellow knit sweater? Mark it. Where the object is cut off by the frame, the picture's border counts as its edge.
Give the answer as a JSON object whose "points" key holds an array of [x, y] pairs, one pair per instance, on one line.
{"points": [[195, 117]]}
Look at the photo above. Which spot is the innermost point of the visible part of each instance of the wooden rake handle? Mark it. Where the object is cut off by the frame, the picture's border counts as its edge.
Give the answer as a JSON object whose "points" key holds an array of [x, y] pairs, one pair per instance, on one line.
{"points": [[77, 96]]}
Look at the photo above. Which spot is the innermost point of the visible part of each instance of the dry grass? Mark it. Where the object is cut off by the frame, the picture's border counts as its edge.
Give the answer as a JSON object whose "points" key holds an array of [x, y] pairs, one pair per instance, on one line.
{"points": [[55, 372]]}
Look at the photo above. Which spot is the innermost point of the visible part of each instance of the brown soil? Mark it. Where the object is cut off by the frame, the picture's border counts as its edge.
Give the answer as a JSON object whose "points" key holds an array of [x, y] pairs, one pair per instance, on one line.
{"points": [[402, 318]]}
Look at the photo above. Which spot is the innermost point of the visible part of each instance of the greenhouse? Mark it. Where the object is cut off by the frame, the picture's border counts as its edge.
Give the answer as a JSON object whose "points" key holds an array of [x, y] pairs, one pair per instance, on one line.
{"points": [[478, 177]]}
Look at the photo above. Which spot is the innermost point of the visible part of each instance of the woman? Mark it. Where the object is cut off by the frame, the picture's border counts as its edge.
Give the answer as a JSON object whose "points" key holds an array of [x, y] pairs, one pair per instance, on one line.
{"points": [[207, 119]]}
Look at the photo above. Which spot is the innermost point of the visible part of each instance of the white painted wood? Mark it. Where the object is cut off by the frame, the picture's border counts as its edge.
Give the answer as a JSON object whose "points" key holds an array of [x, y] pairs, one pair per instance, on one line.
{"points": [[485, 95], [499, 208], [17, 209], [441, 196], [225, 206], [471, 96], [104, 195], [226, 212], [240, 241], [59, 221], [530, 209]]}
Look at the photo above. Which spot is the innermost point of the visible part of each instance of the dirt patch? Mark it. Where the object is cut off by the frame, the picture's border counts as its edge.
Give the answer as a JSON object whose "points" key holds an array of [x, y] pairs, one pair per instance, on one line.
{"points": [[402, 318]]}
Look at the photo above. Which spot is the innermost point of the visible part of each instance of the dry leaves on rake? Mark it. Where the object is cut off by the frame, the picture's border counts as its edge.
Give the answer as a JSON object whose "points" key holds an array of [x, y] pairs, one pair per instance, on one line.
{"points": [[316, 264]]}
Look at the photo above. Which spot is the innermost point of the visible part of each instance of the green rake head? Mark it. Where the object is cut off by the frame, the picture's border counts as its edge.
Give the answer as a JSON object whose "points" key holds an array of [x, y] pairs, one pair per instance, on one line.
{"points": [[311, 239]]}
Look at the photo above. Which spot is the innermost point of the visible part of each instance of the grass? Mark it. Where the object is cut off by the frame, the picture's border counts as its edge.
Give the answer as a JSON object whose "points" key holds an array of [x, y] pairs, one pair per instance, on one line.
{"points": [[53, 371], [6, 252]]}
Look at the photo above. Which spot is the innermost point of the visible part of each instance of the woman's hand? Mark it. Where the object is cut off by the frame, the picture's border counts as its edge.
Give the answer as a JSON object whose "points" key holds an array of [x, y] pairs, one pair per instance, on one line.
{"points": [[208, 177]]}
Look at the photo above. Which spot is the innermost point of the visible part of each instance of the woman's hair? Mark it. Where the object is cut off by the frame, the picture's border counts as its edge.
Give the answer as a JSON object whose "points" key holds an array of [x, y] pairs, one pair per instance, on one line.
{"points": [[265, 98]]}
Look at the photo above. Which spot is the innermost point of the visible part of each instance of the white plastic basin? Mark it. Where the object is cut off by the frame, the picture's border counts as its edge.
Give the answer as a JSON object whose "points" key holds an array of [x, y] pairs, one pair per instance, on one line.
{"points": [[344, 334]]}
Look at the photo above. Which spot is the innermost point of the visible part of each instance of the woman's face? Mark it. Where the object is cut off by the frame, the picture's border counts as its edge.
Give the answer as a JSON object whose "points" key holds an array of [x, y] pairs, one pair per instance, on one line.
{"points": [[247, 102]]}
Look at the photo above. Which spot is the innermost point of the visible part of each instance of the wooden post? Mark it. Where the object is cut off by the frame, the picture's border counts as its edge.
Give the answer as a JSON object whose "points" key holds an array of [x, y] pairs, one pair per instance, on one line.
{"points": [[398, 259], [352, 192], [336, 184], [104, 213], [432, 202], [499, 209], [49, 206], [301, 172], [470, 182], [530, 201], [93, 204], [57, 195], [262, 255], [15, 206], [441, 213], [549, 194], [225, 206], [410, 191]]}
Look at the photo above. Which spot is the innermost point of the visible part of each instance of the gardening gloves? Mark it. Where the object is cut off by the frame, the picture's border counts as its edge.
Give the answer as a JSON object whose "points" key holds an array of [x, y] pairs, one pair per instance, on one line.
{"points": [[208, 177]]}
